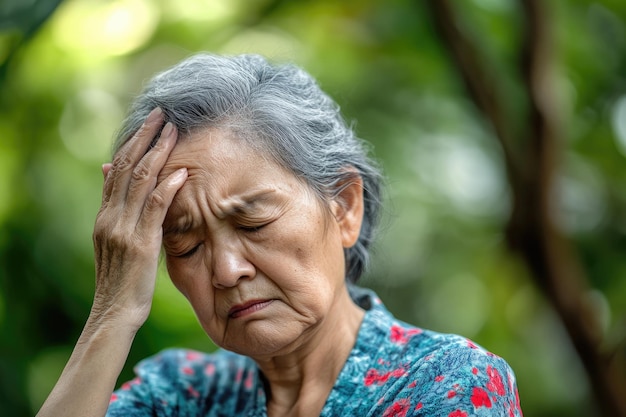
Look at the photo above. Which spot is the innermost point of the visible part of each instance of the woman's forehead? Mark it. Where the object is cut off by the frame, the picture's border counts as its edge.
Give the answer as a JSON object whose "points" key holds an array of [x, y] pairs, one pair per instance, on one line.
{"points": [[235, 176], [210, 149]]}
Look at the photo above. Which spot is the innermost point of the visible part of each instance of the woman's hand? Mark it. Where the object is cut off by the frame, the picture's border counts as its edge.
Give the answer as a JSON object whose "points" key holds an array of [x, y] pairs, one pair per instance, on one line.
{"points": [[128, 230], [127, 239]]}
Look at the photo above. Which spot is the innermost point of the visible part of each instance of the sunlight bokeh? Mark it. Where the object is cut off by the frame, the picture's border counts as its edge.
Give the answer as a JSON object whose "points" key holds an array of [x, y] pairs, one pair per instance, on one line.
{"points": [[441, 260]]}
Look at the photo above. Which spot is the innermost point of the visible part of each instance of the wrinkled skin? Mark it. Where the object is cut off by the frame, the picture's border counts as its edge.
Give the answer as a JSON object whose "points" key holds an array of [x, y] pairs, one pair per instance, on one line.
{"points": [[257, 254], [245, 230], [133, 201]]}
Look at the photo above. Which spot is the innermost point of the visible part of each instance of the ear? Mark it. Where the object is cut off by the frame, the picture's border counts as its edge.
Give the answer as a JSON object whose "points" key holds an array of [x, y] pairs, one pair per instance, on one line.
{"points": [[347, 209]]}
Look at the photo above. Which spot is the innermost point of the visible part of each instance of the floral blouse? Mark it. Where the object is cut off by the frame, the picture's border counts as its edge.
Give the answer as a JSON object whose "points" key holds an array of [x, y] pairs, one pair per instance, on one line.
{"points": [[394, 369]]}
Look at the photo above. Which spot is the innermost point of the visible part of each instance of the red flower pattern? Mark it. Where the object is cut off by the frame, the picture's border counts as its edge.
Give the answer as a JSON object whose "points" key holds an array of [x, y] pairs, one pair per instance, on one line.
{"points": [[495, 381], [249, 382], [402, 335], [209, 370], [193, 392], [398, 408], [128, 385], [445, 392], [374, 377], [480, 398]]}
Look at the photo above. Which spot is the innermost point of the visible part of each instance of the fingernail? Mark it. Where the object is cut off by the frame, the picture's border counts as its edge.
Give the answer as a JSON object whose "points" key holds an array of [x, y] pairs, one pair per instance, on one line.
{"points": [[154, 114], [180, 173], [167, 130], [106, 168]]}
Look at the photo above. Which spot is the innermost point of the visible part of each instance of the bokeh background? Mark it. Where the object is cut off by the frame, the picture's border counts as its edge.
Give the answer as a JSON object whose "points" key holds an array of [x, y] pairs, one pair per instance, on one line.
{"points": [[68, 69]]}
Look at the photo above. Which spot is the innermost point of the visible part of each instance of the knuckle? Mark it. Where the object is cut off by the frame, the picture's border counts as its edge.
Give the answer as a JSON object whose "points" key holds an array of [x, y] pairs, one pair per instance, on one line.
{"points": [[155, 201], [141, 172], [118, 237], [102, 223], [110, 229], [143, 129], [122, 162]]}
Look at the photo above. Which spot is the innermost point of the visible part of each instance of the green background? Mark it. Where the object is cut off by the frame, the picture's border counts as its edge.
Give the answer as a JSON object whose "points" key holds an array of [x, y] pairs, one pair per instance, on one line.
{"points": [[68, 71]]}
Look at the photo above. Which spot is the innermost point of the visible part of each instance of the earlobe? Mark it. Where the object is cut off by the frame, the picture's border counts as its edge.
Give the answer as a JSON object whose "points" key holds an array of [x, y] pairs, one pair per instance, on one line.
{"points": [[348, 210]]}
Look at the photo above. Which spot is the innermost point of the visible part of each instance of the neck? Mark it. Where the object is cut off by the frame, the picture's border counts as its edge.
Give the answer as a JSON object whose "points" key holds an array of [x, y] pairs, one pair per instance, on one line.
{"points": [[300, 381]]}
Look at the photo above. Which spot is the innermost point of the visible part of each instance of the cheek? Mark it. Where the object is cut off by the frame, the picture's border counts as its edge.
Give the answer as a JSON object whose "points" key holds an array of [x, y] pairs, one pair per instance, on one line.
{"points": [[193, 284], [317, 259], [179, 272], [300, 254]]}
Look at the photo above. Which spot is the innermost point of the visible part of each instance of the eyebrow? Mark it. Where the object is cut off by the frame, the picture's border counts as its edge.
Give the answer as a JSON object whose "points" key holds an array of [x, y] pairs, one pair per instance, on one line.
{"points": [[243, 206], [246, 202], [178, 227]]}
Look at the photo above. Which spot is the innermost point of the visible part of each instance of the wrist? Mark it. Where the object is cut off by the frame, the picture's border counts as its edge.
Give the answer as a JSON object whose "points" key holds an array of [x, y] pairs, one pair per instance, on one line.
{"points": [[120, 319]]}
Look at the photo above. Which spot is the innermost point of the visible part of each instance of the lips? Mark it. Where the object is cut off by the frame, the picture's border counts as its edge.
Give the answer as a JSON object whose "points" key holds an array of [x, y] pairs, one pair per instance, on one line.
{"points": [[248, 307]]}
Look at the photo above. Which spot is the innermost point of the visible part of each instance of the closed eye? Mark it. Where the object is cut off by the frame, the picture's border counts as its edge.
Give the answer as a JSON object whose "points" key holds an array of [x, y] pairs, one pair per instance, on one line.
{"points": [[189, 252], [251, 229]]}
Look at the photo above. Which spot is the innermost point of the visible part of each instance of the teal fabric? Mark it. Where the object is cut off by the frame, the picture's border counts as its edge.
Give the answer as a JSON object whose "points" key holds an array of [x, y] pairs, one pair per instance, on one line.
{"points": [[394, 369]]}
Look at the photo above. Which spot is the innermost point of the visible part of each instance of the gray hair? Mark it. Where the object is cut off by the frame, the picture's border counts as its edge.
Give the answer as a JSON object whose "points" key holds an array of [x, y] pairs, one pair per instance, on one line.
{"points": [[284, 113]]}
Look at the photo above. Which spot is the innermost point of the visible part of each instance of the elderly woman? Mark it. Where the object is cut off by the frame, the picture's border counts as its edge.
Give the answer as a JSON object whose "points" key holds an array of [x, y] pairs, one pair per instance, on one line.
{"points": [[265, 204]]}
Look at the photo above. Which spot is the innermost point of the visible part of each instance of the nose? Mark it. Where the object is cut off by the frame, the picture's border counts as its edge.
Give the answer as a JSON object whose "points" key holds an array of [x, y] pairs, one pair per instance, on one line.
{"points": [[229, 265]]}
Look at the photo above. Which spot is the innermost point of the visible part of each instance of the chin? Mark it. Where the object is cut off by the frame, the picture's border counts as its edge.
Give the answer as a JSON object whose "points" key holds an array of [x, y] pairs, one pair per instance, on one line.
{"points": [[264, 340]]}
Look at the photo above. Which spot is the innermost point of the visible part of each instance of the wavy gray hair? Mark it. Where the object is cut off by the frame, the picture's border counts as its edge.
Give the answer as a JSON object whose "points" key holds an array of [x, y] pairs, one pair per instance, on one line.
{"points": [[278, 109]]}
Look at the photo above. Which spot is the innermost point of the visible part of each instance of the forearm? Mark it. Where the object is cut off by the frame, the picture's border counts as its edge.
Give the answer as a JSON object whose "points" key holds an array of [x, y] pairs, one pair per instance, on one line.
{"points": [[85, 386], [127, 240]]}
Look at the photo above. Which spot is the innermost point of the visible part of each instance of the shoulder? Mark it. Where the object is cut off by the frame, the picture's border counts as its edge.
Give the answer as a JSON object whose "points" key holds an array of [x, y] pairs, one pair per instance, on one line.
{"points": [[449, 375], [420, 372], [183, 380], [464, 379]]}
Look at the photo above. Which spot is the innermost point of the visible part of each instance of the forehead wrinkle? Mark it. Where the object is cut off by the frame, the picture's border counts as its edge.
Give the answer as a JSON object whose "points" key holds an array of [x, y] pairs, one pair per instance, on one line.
{"points": [[243, 204], [179, 218], [179, 227]]}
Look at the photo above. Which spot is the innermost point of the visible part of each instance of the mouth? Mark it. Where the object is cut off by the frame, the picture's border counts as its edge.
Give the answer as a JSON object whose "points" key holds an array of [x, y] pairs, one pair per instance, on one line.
{"points": [[247, 308]]}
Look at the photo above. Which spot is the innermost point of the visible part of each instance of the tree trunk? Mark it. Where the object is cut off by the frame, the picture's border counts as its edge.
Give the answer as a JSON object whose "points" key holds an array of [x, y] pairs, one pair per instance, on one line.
{"points": [[532, 159]]}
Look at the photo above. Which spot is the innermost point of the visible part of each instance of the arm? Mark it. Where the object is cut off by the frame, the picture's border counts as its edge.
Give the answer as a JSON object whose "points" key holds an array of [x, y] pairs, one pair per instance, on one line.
{"points": [[127, 241]]}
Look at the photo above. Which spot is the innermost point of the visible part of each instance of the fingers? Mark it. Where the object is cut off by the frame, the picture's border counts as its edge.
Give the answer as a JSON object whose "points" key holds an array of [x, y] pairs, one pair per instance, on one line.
{"points": [[159, 201], [119, 176], [144, 174], [131, 194], [128, 230]]}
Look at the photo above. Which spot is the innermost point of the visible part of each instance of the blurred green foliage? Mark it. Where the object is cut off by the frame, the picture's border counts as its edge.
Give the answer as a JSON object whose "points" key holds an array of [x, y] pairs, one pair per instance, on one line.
{"points": [[441, 261]]}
